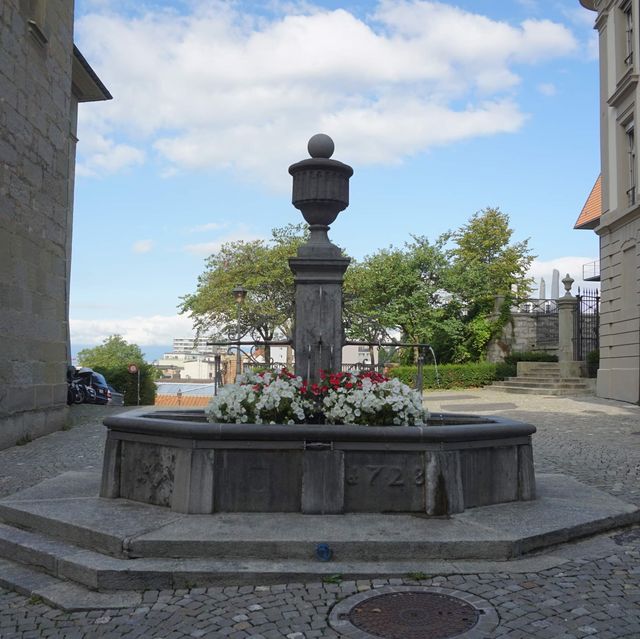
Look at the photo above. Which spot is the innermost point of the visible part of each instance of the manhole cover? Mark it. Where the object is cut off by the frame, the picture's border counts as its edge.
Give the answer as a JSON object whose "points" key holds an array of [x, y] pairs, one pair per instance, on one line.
{"points": [[414, 615], [412, 612]]}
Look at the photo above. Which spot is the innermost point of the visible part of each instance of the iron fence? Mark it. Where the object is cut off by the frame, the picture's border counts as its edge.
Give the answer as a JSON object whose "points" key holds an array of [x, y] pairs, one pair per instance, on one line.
{"points": [[586, 333], [545, 314]]}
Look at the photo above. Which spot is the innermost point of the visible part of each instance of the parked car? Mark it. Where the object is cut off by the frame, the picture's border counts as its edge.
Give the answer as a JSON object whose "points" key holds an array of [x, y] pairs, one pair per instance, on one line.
{"points": [[96, 389], [116, 398]]}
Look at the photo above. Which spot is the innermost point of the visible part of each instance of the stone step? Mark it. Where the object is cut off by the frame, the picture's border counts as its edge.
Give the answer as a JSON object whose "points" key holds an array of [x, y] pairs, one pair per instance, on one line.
{"points": [[139, 575], [61, 593], [529, 390], [63, 538], [518, 381]]}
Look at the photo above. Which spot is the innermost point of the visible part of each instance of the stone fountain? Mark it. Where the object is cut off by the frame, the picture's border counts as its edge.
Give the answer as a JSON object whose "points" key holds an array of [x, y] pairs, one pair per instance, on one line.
{"points": [[178, 460]]}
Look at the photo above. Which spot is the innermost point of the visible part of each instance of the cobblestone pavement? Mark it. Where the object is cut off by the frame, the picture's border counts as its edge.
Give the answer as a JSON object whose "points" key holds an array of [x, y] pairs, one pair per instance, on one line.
{"points": [[596, 593]]}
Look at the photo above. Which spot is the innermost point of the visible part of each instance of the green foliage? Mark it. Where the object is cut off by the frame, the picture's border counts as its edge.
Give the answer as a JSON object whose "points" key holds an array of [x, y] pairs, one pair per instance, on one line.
{"points": [[484, 265], [509, 367], [593, 363], [504, 370], [438, 292], [112, 358], [397, 290], [260, 267], [417, 576], [530, 356], [467, 375]]}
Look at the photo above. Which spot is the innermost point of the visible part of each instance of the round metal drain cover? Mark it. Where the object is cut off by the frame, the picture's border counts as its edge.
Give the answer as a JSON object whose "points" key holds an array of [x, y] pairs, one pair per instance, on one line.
{"points": [[414, 615], [412, 612]]}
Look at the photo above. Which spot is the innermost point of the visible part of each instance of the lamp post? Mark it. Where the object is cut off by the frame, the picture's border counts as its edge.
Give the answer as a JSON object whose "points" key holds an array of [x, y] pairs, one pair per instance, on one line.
{"points": [[239, 294]]}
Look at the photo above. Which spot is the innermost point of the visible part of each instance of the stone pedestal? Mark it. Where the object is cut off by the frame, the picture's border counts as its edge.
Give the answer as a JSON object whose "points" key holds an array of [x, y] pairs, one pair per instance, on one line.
{"points": [[320, 192], [566, 324], [318, 333]]}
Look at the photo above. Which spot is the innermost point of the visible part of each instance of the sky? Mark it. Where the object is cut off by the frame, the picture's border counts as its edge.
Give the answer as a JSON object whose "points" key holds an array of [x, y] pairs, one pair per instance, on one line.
{"points": [[441, 108]]}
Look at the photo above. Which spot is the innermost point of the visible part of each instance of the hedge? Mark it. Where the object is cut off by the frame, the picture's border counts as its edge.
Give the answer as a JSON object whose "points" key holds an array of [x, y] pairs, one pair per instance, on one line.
{"points": [[469, 375], [451, 375], [530, 356]]}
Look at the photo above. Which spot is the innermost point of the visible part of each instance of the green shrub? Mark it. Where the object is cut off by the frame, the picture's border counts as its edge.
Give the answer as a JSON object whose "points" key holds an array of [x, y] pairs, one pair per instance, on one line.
{"points": [[450, 375], [504, 370], [530, 356], [593, 363]]}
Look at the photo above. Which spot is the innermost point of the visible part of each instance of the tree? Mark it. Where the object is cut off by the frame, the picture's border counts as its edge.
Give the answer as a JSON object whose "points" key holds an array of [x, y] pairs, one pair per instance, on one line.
{"points": [[260, 267], [398, 290], [111, 359], [485, 265]]}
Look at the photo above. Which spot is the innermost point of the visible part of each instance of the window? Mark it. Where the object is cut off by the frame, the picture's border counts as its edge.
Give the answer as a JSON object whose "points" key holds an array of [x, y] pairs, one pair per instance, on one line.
{"points": [[628, 19], [631, 163], [37, 10]]}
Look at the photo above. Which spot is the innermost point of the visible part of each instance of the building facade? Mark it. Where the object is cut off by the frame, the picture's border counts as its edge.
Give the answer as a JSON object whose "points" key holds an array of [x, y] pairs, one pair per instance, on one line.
{"points": [[43, 77], [618, 228]]}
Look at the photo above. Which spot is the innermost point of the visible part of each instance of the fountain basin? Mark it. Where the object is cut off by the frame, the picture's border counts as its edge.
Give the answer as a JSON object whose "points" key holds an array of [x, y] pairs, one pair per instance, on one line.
{"points": [[178, 460]]}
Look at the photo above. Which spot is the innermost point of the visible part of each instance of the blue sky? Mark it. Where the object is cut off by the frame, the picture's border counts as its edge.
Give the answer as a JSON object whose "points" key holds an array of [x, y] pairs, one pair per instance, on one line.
{"points": [[442, 108]]}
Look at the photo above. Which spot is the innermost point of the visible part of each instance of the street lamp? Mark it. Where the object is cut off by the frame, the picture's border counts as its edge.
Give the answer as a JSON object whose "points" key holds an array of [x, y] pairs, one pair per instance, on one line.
{"points": [[239, 294]]}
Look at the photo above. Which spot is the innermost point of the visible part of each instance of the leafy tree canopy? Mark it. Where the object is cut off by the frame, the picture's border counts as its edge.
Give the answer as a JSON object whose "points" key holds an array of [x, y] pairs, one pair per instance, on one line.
{"points": [[484, 264], [261, 268], [112, 353], [111, 359]]}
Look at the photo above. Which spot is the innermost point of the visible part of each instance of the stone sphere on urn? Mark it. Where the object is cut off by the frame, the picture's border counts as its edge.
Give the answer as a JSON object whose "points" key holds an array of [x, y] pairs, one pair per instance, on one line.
{"points": [[320, 146]]}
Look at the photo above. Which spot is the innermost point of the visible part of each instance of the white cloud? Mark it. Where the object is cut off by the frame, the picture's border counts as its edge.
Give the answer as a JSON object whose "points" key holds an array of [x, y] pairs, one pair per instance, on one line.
{"points": [[100, 154], [584, 20], [142, 246], [241, 233], [155, 329], [569, 264], [547, 88], [218, 88]]}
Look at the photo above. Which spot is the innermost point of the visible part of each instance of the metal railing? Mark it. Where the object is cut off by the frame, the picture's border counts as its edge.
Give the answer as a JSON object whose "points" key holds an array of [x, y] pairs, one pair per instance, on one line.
{"points": [[591, 271], [586, 333], [537, 307], [422, 350]]}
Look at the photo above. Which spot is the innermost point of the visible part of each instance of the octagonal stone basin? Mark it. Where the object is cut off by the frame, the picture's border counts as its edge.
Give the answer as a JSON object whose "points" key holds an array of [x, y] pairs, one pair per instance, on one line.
{"points": [[177, 459]]}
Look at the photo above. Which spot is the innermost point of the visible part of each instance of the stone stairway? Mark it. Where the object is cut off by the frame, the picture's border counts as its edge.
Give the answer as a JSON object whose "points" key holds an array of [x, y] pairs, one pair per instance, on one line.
{"points": [[544, 378]]}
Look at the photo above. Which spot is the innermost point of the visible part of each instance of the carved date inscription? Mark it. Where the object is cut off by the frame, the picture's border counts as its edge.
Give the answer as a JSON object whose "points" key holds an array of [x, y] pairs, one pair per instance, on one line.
{"points": [[389, 476], [384, 481]]}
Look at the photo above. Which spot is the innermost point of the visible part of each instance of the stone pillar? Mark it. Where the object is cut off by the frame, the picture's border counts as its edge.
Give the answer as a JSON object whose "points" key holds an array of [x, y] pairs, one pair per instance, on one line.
{"points": [[566, 327], [320, 192]]}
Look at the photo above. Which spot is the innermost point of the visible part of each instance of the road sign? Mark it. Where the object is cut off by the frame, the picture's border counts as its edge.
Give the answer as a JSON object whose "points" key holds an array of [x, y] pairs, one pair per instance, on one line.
{"points": [[132, 368]]}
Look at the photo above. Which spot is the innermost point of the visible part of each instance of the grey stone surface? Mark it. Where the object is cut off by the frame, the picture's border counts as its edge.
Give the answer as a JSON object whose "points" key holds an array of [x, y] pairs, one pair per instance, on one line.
{"points": [[277, 468], [323, 482], [37, 157], [564, 593], [443, 485], [564, 510]]}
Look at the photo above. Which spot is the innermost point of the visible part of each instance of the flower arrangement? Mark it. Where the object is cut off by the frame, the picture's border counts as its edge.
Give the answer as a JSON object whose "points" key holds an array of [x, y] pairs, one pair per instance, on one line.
{"points": [[340, 398]]}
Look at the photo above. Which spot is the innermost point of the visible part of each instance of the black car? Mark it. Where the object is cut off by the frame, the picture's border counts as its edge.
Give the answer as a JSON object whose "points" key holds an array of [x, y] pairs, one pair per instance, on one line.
{"points": [[97, 389]]}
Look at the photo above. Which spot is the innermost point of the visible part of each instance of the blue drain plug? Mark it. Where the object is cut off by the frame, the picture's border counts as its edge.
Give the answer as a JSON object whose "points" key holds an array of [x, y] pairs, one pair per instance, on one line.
{"points": [[324, 552]]}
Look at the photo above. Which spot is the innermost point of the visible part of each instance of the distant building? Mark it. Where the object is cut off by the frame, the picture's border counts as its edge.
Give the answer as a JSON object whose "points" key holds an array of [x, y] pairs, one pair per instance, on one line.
{"points": [[43, 77], [617, 223]]}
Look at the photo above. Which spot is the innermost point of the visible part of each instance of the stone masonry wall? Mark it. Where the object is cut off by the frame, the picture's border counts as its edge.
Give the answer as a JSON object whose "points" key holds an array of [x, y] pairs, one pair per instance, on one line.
{"points": [[525, 332], [35, 210]]}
